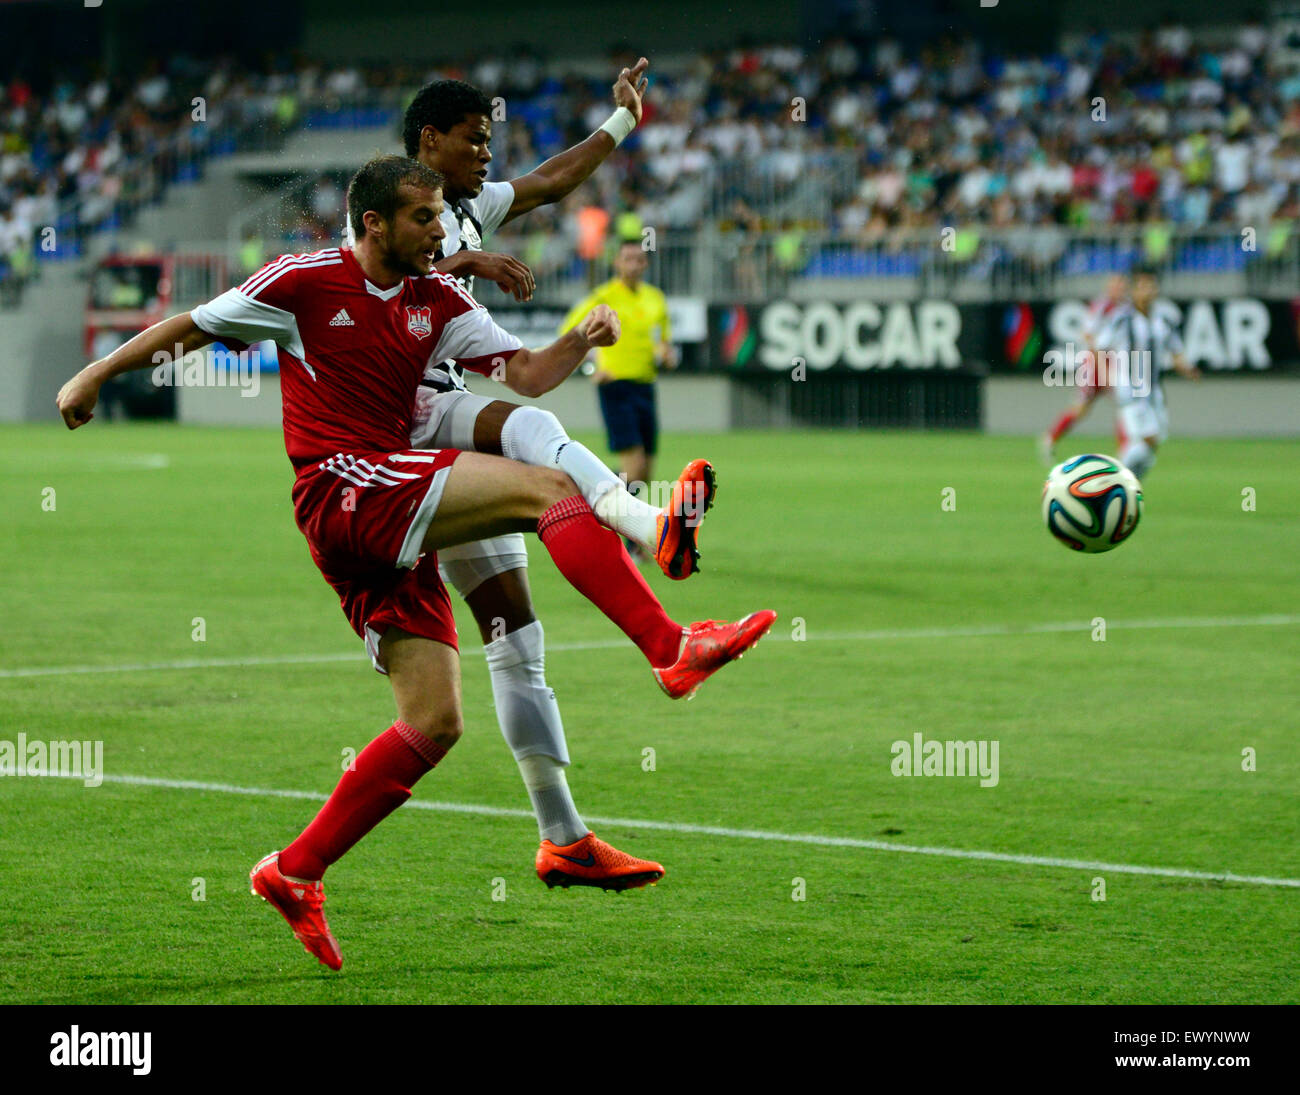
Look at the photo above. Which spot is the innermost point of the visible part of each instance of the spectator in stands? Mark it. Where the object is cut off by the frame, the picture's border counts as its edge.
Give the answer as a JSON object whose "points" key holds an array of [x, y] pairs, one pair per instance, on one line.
{"points": [[1195, 133], [15, 256]]}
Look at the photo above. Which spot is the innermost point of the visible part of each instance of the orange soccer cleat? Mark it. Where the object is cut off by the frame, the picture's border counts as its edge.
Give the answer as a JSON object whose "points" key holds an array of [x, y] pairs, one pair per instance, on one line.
{"points": [[592, 862], [301, 904], [678, 552], [709, 645]]}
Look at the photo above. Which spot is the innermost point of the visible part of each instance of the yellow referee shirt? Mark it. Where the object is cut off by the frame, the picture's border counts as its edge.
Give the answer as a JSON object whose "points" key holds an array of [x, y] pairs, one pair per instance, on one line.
{"points": [[643, 314]]}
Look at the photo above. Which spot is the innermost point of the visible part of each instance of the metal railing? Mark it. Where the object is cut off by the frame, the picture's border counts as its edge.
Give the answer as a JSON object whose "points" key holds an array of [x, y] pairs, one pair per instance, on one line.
{"points": [[284, 221], [721, 265], [254, 122], [782, 184], [727, 261], [177, 157]]}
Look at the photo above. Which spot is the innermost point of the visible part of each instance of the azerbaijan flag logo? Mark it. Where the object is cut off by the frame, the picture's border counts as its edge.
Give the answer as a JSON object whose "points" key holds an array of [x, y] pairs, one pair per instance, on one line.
{"points": [[738, 338]]}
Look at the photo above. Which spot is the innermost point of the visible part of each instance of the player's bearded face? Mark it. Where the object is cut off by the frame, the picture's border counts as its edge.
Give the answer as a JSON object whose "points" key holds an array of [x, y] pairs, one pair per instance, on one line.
{"points": [[412, 238]]}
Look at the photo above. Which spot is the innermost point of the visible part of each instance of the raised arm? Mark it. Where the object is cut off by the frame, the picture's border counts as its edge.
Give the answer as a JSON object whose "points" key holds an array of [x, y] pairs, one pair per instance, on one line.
{"points": [[535, 372], [565, 172], [174, 338]]}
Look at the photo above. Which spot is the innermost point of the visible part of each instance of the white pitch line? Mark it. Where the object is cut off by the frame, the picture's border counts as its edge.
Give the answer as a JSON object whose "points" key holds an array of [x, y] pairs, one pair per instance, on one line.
{"points": [[148, 460], [737, 834], [186, 663], [882, 635]]}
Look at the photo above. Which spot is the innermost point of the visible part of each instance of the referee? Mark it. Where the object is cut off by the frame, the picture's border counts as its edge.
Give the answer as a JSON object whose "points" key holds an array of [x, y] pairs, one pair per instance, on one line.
{"points": [[625, 372]]}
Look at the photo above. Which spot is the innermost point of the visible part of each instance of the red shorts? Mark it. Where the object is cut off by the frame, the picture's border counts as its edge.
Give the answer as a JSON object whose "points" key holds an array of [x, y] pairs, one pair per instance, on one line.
{"points": [[365, 516]]}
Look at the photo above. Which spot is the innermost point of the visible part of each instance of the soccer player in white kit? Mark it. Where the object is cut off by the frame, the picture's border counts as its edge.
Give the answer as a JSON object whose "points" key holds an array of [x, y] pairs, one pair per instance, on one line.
{"points": [[1092, 385], [448, 127], [1137, 344]]}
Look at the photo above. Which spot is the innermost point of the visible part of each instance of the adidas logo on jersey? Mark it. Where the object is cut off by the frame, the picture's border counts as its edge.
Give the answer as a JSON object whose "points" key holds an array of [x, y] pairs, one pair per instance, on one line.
{"points": [[342, 319]]}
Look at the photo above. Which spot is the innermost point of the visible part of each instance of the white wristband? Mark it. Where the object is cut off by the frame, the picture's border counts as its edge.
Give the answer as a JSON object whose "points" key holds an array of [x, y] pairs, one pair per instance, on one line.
{"points": [[619, 124]]}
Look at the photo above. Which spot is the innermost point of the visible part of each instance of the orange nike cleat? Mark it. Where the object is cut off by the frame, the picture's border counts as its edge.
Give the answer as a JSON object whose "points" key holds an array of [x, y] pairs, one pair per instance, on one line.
{"points": [[678, 552], [301, 904], [709, 645], [592, 862]]}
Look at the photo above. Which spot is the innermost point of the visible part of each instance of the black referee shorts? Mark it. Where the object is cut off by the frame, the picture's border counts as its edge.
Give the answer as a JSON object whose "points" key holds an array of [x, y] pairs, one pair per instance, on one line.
{"points": [[628, 407]]}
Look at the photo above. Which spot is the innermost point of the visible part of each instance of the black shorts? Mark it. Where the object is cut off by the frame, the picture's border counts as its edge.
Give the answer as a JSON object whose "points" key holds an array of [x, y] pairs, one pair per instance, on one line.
{"points": [[628, 407]]}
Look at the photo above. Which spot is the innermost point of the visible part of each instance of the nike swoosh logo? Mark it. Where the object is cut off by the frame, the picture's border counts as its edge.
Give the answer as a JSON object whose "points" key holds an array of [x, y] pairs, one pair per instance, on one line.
{"points": [[590, 861]]}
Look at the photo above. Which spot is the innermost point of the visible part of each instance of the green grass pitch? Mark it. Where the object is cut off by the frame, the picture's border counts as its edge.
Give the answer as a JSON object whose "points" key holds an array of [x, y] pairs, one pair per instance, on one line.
{"points": [[914, 618]]}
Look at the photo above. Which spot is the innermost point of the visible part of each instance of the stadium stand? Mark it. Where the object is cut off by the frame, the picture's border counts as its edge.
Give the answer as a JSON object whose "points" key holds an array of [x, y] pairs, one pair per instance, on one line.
{"points": [[841, 162]]}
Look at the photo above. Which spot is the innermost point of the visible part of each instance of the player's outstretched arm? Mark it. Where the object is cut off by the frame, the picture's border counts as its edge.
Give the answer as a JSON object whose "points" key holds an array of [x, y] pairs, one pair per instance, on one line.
{"points": [[564, 173], [174, 337], [535, 372]]}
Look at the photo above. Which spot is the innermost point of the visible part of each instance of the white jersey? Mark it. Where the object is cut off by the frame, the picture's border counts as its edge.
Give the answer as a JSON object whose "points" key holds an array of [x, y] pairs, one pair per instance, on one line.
{"points": [[1149, 343], [465, 225], [470, 219]]}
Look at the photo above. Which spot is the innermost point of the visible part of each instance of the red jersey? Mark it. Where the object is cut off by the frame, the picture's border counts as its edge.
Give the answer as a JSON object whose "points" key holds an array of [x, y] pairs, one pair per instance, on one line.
{"points": [[1099, 313], [352, 354]]}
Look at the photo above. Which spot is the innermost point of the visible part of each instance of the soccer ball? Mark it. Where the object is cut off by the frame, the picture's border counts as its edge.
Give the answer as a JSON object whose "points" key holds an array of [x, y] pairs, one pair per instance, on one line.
{"points": [[1091, 503]]}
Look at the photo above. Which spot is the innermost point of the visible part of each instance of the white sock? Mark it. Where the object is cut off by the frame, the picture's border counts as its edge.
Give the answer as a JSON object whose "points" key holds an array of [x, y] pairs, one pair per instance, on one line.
{"points": [[530, 722], [1138, 457], [626, 514], [557, 817], [534, 436]]}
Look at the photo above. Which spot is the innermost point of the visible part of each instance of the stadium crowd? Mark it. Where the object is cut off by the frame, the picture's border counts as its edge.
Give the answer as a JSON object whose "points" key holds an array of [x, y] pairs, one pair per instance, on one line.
{"points": [[867, 139]]}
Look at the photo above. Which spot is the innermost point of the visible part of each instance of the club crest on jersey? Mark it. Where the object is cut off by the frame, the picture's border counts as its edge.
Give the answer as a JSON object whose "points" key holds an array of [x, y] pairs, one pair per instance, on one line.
{"points": [[470, 240], [419, 321]]}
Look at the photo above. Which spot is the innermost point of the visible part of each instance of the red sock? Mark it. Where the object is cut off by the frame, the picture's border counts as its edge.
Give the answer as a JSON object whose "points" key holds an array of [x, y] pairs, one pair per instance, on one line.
{"points": [[1062, 424], [596, 564], [378, 782]]}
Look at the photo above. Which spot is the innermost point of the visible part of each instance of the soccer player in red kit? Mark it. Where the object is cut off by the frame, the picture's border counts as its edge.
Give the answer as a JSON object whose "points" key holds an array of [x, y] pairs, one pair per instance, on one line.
{"points": [[1092, 384], [357, 328]]}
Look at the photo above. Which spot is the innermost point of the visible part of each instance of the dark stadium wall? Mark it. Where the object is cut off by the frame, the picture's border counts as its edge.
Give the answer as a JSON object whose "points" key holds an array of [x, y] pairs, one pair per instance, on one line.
{"points": [[1023, 26], [336, 30], [126, 36], [1081, 15], [339, 30]]}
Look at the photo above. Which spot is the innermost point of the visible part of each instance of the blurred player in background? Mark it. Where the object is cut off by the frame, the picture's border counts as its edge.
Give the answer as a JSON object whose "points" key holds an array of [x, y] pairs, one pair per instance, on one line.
{"points": [[1099, 314], [625, 372], [448, 127], [1138, 344]]}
